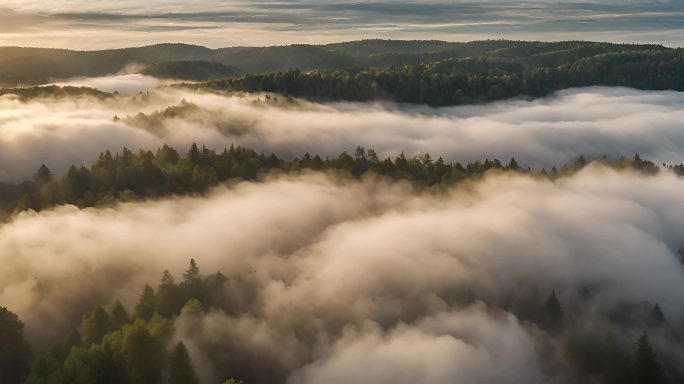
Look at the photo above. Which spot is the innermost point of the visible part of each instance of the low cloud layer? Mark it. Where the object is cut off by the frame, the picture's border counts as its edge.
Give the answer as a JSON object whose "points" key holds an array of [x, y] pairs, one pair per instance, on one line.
{"points": [[124, 84], [337, 276], [539, 133]]}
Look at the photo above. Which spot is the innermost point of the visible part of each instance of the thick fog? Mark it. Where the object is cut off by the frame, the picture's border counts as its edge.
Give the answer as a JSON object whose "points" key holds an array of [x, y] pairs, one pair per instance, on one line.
{"points": [[125, 84], [539, 133], [337, 280]]}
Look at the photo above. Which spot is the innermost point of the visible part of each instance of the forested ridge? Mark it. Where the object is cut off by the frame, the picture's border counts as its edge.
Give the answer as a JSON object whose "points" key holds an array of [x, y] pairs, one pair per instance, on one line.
{"points": [[568, 63], [126, 176], [528, 71]]}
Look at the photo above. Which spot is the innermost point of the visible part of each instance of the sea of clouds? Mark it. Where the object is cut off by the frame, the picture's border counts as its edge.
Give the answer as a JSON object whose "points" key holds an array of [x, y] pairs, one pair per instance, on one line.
{"points": [[337, 280], [539, 133], [333, 277]]}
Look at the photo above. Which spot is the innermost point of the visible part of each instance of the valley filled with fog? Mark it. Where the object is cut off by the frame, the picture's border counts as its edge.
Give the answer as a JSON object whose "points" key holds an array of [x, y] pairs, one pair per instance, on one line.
{"points": [[327, 278], [539, 133]]}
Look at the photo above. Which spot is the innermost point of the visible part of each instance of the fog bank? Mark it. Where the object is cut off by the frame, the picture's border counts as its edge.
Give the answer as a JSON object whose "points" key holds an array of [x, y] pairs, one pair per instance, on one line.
{"points": [[338, 276], [539, 133]]}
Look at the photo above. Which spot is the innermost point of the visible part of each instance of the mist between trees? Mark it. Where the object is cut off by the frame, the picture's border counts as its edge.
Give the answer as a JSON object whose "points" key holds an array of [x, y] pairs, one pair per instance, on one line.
{"points": [[126, 176], [505, 276]]}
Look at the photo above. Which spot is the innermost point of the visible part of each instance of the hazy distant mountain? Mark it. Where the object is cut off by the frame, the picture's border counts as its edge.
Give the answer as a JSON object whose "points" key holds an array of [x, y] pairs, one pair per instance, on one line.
{"points": [[36, 65], [181, 61]]}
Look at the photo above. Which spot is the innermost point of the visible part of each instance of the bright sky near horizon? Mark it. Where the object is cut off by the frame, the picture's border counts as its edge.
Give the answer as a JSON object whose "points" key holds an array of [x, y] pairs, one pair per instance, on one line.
{"points": [[98, 24]]}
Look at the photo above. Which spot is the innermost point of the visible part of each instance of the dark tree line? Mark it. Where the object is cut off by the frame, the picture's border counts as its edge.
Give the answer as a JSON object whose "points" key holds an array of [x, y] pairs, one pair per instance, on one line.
{"points": [[127, 176], [494, 76]]}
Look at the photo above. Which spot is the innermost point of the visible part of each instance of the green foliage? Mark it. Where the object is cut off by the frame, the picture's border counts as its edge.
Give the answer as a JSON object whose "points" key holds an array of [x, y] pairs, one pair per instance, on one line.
{"points": [[95, 326], [169, 296], [147, 304], [15, 353], [138, 350], [181, 370], [118, 315], [144, 354], [521, 69], [42, 175], [53, 91], [192, 274], [46, 369], [128, 176], [596, 352]]}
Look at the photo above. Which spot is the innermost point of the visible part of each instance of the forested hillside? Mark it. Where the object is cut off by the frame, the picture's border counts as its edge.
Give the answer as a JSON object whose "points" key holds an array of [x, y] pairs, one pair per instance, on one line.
{"points": [[525, 70], [20, 66]]}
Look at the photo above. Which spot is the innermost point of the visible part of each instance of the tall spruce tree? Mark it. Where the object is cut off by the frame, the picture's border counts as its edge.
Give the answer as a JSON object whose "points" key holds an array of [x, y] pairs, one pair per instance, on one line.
{"points": [[648, 369], [147, 304], [553, 311], [180, 366], [15, 353]]}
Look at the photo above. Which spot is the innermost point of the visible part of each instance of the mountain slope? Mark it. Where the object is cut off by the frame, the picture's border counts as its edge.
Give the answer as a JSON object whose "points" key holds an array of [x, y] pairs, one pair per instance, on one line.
{"points": [[19, 66]]}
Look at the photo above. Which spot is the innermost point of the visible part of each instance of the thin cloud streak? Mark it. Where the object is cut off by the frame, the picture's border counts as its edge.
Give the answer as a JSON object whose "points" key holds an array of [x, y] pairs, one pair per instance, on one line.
{"points": [[219, 24]]}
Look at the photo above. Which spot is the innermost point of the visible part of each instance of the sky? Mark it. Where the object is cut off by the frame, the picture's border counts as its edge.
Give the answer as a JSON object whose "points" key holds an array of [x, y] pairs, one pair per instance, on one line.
{"points": [[100, 24]]}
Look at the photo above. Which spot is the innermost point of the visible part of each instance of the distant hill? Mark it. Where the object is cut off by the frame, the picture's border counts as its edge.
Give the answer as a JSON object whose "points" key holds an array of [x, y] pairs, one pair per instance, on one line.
{"points": [[38, 66], [30, 66], [53, 91], [476, 73]]}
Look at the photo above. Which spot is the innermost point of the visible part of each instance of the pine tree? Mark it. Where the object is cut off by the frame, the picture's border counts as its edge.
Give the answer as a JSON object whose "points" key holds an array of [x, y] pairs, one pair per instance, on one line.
{"points": [[192, 274], [42, 175], [111, 367], [147, 304], [648, 369], [46, 369], [169, 298], [15, 353], [194, 154], [554, 311], [118, 315], [513, 164], [580, 163], [95, 326], [657, 314], [180, 366]]}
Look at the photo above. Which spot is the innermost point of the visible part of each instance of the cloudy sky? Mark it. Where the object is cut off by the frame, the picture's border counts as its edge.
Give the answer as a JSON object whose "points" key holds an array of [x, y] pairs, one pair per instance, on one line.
{"points": [[89, 24]]}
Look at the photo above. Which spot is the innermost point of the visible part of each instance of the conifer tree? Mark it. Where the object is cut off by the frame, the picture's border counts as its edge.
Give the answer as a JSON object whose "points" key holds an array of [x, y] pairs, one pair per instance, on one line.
{"points": [[15, 353], [554, 311], [147, 304], [648, 369], [95, 326], [42, 175], [180, 366], [118, 315], [657, 314], [169, 298], [192, 274]]}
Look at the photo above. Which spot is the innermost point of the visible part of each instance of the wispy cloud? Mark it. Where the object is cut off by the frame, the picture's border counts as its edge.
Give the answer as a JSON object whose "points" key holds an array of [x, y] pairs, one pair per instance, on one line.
{"points": [[226, 23]]}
